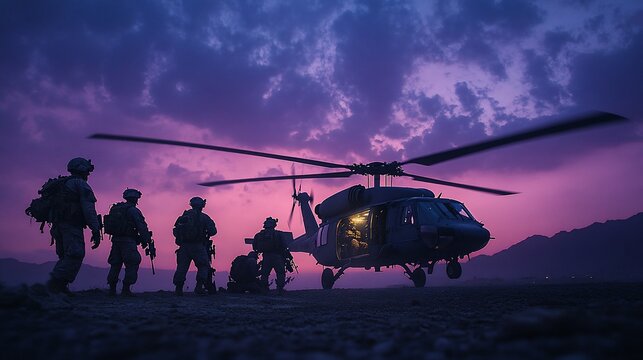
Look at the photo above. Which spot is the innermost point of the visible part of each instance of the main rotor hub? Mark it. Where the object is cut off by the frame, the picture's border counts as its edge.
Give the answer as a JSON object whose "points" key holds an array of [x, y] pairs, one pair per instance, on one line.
{"points": [[393, 168]]}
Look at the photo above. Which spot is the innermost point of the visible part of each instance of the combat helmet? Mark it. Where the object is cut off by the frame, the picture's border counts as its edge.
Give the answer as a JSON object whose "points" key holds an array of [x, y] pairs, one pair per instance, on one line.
{"points": [[270, 223], [197, 202], [80, 166], [131, 194]]}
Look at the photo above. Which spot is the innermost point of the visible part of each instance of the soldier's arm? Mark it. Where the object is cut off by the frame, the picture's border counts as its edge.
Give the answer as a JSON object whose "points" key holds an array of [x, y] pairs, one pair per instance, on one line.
{"points": [[210, 226], [139, 221], [87, 202]]}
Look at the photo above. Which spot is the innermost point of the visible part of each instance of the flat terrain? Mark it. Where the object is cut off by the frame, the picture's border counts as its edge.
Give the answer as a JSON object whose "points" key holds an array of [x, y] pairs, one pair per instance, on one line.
{"points": [[580, 321]]}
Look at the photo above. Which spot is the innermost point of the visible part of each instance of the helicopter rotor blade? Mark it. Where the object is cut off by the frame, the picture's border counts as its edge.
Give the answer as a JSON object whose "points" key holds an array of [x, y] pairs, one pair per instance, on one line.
{"points": [[459, 185], [579, 122], [333, 175], [292, 211], [294, 188], [216, 148]]}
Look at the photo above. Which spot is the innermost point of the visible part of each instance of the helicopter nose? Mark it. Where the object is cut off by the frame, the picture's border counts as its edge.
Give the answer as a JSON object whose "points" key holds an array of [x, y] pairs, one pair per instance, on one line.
{"points": [[473, 237]]}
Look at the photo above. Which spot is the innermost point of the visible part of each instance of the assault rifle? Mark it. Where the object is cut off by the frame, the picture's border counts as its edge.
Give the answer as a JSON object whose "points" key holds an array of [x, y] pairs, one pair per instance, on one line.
{"points": [[101, 226], [290, 262], [150, 250], [211, 254]]}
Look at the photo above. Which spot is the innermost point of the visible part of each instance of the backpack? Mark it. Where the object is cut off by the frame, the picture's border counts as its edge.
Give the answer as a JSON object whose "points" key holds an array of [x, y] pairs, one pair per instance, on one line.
{"points": [[188, 228], [51, 205], [239, 271], [117, 223], [268, 241]]}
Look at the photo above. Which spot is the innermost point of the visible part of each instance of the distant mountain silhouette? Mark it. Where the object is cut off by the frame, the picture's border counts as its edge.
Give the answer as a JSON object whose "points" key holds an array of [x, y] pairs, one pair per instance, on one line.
{"points": [[600, 252], [14, 272]]}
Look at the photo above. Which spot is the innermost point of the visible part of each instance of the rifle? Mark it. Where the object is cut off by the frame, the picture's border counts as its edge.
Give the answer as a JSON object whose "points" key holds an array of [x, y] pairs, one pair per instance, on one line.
{"points": [[101, 226], [150, 250], [290, 262], [211, 254]]}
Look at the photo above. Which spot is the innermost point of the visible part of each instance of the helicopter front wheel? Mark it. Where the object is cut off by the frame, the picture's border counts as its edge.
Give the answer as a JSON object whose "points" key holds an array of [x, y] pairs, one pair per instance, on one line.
{"points": [[418, 276], [327, 279], [454, 269]]}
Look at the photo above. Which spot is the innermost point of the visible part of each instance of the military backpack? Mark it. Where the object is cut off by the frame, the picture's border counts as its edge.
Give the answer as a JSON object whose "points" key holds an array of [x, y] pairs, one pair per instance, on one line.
{"points": [[188, 228], [117, 222], [51, 205], [268, 240], [240, 271]]}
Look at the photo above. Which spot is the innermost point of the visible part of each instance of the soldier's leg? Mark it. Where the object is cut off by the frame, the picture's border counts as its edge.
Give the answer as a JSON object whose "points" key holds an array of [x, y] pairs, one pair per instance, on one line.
{"points": [[280, 271], [115, 260], [132, 260], [201, 261], [265, 270], [182, 266], [68, 266]]}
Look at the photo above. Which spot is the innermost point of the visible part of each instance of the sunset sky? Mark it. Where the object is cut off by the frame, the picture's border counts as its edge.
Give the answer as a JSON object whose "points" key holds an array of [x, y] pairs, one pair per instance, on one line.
{"points": [[340, 81]]}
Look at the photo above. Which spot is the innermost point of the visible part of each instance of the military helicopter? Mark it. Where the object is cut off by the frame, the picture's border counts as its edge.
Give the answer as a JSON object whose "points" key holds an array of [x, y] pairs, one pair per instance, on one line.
{"points": [[387, 226]]}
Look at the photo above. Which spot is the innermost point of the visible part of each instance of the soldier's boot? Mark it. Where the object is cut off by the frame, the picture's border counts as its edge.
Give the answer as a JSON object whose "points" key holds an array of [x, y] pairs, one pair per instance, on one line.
{"points": [[178, 290], [281, 290], [126, 290], [57, 286], [198, 289], [210, 288], [112, 289]]}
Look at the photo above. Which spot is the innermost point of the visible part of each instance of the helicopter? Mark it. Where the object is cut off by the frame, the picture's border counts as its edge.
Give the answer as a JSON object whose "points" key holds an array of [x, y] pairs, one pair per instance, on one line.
{"points": [[384, 226]]}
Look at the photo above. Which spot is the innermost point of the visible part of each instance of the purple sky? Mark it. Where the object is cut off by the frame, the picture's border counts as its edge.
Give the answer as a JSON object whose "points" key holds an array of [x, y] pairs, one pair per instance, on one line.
{"points": [[337, 81]]}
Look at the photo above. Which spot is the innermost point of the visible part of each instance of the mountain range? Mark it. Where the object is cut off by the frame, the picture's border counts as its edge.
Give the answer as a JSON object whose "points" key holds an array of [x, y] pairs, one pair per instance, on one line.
{"points": [[600, 252]]}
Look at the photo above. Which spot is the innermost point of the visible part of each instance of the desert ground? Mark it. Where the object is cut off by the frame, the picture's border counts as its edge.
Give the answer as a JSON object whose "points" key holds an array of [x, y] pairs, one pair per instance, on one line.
{"points": [[579, 321]]}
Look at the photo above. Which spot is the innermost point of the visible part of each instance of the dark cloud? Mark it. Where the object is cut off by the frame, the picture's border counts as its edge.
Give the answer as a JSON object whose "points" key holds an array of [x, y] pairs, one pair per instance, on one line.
{"points": [[468, 99], [262, 76], [555, 41], [611, 81], [538, 73]]}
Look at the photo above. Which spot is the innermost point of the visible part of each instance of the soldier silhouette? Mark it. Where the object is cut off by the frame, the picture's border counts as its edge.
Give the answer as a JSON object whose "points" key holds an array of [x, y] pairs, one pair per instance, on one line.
{"points": [[192, 231], [75, 211], [128, 228]]}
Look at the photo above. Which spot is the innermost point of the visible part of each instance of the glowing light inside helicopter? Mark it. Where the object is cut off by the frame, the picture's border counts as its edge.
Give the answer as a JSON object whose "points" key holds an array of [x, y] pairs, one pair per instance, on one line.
{"points": [[359, 218]]}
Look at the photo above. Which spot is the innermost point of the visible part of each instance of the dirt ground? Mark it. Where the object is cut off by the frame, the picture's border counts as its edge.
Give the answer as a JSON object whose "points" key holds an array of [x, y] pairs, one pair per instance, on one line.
{"points": [[580, 321]]}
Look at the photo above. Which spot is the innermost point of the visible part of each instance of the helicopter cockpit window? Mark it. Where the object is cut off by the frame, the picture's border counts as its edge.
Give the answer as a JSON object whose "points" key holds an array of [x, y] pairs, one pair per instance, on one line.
{"points": [[462, 212], [428, 213], [446, 211], [353, 235], [407, 215]]}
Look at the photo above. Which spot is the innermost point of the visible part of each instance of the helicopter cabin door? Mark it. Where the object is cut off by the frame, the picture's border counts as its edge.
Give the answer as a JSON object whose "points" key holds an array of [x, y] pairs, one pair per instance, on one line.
{"points": [[404, 224], [354, 235]]}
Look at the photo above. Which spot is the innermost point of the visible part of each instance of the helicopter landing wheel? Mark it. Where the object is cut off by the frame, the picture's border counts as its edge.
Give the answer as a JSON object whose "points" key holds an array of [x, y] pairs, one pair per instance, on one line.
{"points": [[327, 279], [454, 269], [418, 276]]}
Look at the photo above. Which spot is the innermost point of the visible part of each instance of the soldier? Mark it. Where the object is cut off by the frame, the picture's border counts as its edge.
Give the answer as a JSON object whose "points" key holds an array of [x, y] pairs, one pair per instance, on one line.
{"points": [[128, 228], [244, 274], [192, 231], [270, 243], [76, 212]]}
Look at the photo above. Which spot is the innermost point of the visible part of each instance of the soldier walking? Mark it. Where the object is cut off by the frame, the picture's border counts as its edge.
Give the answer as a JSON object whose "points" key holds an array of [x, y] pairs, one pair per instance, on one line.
{"points": [[76, 210], [192, 231], [128, 228], [270, 242]]}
